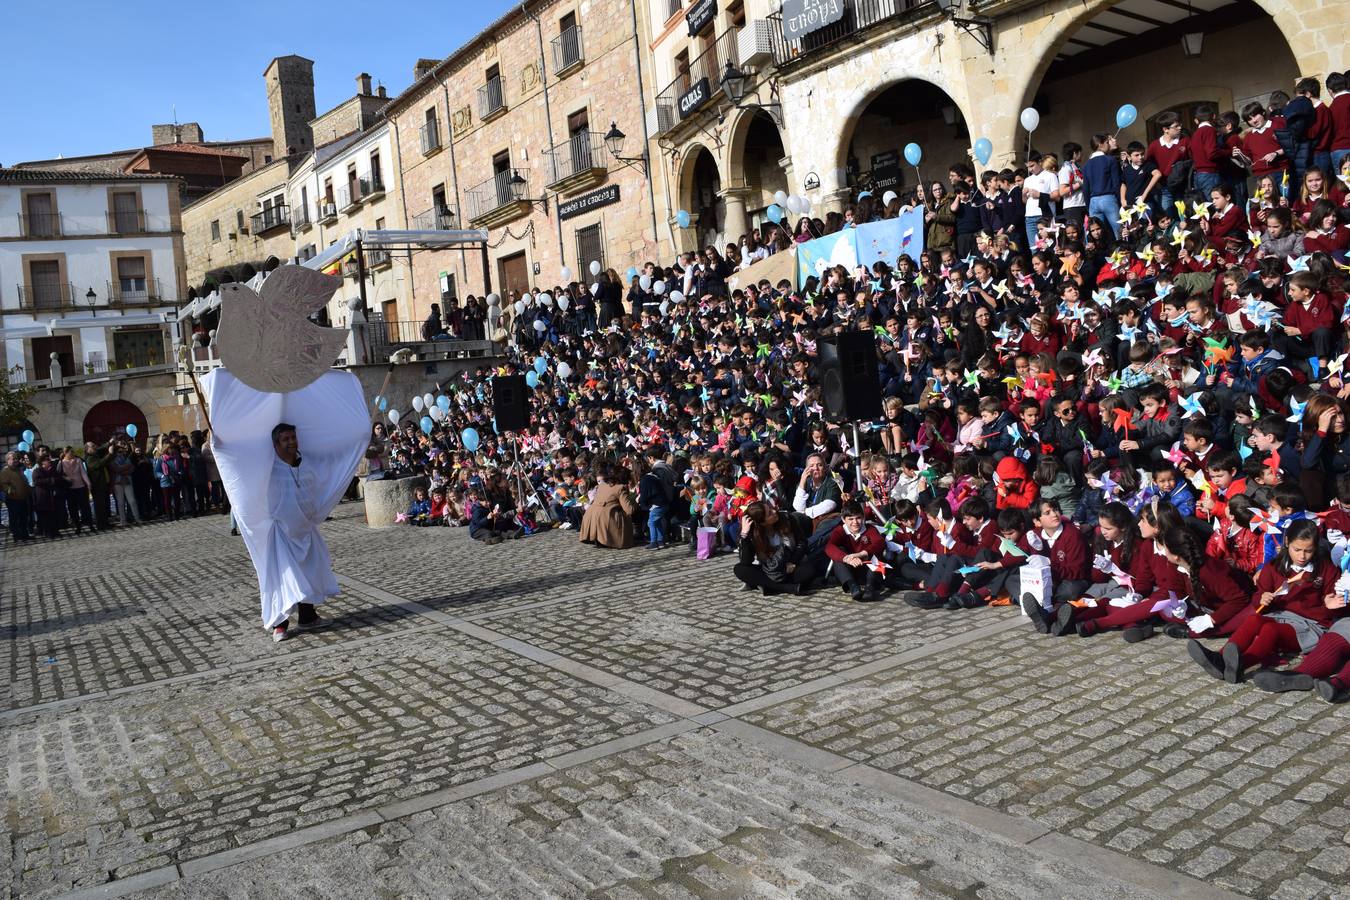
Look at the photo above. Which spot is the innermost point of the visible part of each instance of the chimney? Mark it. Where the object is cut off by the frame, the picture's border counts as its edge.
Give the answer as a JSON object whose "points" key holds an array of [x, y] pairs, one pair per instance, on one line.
{"points": [[381, 92], [363, 84], [423, 66]]}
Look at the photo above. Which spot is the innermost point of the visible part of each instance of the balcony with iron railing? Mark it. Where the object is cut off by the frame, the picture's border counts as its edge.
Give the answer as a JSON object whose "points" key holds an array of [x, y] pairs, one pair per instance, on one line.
{"points": [[348, 198], [377, 260], [568, 52], [430, 134], [579, 162], [387, 337], [300, 220], [491, 99], [372, 188], [47, 296], [272, 218], [436, 219], [327, 211], [708, 65], [40, 225], [149, 294], [498, 200], [859, 17], [128, 221]]}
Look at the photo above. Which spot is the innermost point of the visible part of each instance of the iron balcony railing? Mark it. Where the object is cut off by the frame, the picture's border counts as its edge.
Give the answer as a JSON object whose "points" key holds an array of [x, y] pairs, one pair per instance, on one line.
{"points": [[46, 296], [301, 220], [127, 221], [40, 224], [387, 337], [567, 50], [580, 153], [709, 64], [271, 217], [371, 187], [491, 97], [438, 219], [348, 196], [378, 259], [327, 210], [492, 194], [859, 16], [148, 295], [431, 136]]}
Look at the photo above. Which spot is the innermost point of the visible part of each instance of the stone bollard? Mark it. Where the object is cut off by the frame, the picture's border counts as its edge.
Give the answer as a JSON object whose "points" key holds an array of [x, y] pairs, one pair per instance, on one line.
{"points": [[386, 498]]}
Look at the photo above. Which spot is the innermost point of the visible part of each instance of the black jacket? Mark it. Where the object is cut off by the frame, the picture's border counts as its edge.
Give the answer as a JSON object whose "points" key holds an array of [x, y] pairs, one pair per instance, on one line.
{"points": [[791, 550]]}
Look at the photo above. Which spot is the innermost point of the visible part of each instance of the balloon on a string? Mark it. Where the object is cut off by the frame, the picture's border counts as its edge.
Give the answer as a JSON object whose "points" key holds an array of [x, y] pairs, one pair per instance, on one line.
{"points": [[393, 416], [540, 365], [595, 289], [659, 288], [435, 412], [470, 438], [566, 274], [564, 370], [664, 307], [645, 282], [984, 149], [682, 218], [677, 296], [913, 154], [806, 206], [24, 446], [775, 213], [428, 400], [520, 307], [381, 402], [1030, 119], [1126, 115], [595, 267], [889, 197], [426, 424], [494, 300], [532, 378], [631, 273], [28, 436], [539, 326], [780, 197], [417, 403], [546, 300], [563, 302], [443, 402]]}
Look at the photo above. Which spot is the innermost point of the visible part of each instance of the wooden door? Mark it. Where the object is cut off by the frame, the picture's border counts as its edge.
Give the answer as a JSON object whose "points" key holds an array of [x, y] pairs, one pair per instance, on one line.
{"points": [[513, 274]]}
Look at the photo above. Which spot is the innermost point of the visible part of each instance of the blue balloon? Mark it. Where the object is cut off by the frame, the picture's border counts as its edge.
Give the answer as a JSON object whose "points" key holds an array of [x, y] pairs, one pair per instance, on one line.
{"points": [[427, 424], [913, 154], [1126, 115], [682, 218], [24, 446], [775, 213], [30, 437], [532, 378], [131, 433], [631, 273], [470, 439], [984, 149], [443, 402], [382, 403], [540, 365]]}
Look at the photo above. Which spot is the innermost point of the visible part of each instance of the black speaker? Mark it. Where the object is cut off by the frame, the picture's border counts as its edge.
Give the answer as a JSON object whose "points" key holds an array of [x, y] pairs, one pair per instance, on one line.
{"points": [[511, 402], [850, 388]]}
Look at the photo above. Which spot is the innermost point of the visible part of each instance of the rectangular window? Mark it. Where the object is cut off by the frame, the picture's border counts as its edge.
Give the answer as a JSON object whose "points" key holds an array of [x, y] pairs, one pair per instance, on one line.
{"points": [[682, 69], [42, 220], [379, 224], [590, 247], [45, 275], [376, 179], [304, 203], [501, 177], [126, 215], [736, 14], [131, 277], [239, 221], [215, 231]]}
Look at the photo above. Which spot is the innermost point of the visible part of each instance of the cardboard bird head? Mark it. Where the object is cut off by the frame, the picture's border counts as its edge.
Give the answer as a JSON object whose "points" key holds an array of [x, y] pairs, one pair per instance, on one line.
{"points": [[266, 339]]}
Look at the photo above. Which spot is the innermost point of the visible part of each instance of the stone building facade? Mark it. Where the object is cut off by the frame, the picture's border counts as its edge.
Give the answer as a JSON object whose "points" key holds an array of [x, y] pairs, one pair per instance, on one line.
{"points": [[507, 134]]}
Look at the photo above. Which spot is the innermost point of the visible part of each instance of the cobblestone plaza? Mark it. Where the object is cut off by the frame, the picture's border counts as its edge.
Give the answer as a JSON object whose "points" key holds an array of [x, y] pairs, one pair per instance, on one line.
{"points": [[542, 719]]}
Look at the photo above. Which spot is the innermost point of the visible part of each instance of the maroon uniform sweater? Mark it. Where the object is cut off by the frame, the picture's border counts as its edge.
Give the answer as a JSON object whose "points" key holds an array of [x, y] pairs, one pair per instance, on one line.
{"points": [[1304, 596]]}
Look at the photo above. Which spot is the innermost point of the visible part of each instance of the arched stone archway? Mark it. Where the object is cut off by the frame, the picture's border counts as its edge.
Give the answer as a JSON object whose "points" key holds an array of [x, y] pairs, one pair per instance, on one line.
{"points": [[756, 156], [701, 194], [109, 417]]}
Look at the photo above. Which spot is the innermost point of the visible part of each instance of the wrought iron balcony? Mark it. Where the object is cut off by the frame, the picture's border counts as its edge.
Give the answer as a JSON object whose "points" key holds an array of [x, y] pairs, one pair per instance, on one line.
{"points": [[859, 16], [327, 212], [568, 51], [378, 259], [578, 162], [372, 188], [430, 134], [688, 93], [47, 296], [270, 219], [348, 198], [301, 220], [149, 295], [127, 221], [491, 99], [437, 219], [496, 200], [38, 225]]}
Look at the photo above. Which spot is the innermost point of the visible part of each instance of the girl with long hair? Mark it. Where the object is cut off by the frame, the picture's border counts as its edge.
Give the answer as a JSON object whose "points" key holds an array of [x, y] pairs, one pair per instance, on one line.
{"points": [[773, 550]]}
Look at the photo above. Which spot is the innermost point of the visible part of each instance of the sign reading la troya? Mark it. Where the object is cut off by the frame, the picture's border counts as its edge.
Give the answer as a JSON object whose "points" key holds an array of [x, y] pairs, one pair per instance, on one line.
{"points": [[586, 202], [801, 17]]}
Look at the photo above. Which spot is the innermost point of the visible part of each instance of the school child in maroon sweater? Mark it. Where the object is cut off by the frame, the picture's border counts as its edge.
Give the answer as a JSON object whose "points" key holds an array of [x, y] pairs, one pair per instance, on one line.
{"points": [[1290, 612], [1060, 541], [997, 563], [1118, 540], [1154, 577], [851, 546]]}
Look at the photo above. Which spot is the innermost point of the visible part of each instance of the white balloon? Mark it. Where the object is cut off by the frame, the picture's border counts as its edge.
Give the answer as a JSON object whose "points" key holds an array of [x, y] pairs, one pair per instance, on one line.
{"points": [[645, 282], [664, 307], [393, 416], [595, 267], [417, 403], [796, 201], [676, 296], [595, 289], [520, 307], [566, 274], [546, 299], [563, 302], [539, 326], [1030, 118], [428, 400], [889, 197], [435, 413], [564, 370], [494, 300], [780, 197], [806, 206], [659, 288]]}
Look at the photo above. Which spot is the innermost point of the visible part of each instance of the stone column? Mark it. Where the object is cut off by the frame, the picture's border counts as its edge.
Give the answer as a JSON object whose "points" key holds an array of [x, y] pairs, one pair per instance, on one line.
{"points": [[736, 222], [835, 201]]}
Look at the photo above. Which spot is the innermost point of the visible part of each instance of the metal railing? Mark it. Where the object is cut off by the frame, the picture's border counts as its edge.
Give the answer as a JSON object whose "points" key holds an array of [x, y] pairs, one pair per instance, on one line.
{"points": [[371, 186], [127, 221], [430, 134], [491, 97], [271, 217], [859, 15], [301, 220], [492, 194], [580, 153], [347, 197], [709, 65], [150, 295], [40, 224], [387, 337], [49, 296], [327, 210], [437, 219], [567, 50], [378, 259]]}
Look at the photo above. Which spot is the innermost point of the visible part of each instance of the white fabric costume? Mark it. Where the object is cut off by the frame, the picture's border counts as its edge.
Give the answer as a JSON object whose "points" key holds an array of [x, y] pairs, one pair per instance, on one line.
{"points": [[277, 507]]}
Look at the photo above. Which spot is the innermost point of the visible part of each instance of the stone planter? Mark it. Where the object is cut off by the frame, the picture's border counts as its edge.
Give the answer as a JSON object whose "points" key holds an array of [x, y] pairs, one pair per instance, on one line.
{"points": [[387, 497]]}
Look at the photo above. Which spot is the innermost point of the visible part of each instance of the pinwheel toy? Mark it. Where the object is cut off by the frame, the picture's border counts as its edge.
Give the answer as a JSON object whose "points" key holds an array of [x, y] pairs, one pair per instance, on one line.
{"points": [[878, 565], [1124, 417], [1191, 404], [1296, 410]]}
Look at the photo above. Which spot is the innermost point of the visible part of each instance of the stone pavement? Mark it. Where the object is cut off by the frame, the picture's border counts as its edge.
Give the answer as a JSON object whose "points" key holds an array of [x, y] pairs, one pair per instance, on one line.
{"points": [[542, 719]]}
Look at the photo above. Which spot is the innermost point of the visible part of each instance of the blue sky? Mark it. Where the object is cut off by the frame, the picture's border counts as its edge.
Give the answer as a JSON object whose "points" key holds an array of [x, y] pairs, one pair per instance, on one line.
{"points": [[91, 76]]}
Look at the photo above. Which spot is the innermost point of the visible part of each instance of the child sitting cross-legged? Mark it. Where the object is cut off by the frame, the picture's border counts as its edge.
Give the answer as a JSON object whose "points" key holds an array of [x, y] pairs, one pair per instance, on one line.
{"points": [[419, 511]]}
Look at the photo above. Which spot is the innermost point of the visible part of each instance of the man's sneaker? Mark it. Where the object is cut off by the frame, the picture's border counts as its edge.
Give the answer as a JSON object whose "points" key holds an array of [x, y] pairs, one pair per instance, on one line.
{"points": [[280, 632], [1210, 661], [1277, 682], [1136, 633], [1032, 607], [1064, 623], [565, 526]]}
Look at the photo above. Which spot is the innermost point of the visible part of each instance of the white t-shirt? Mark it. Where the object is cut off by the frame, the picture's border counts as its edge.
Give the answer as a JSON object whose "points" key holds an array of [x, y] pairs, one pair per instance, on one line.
{"points": [[1065, 179], [1045, 182]]}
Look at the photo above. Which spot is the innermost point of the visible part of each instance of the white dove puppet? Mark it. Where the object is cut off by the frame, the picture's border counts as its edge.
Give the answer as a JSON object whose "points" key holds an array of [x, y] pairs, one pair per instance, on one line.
{"points": [[278, 369]]}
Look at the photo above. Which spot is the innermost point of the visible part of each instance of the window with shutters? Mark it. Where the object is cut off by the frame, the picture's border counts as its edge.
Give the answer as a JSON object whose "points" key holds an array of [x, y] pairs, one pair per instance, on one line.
{"points": [[131, 277], [590, 248]]}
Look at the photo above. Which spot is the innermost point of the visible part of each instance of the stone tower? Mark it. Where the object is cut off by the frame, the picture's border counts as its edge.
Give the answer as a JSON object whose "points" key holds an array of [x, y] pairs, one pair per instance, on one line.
{"points": [[290, 102]]}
